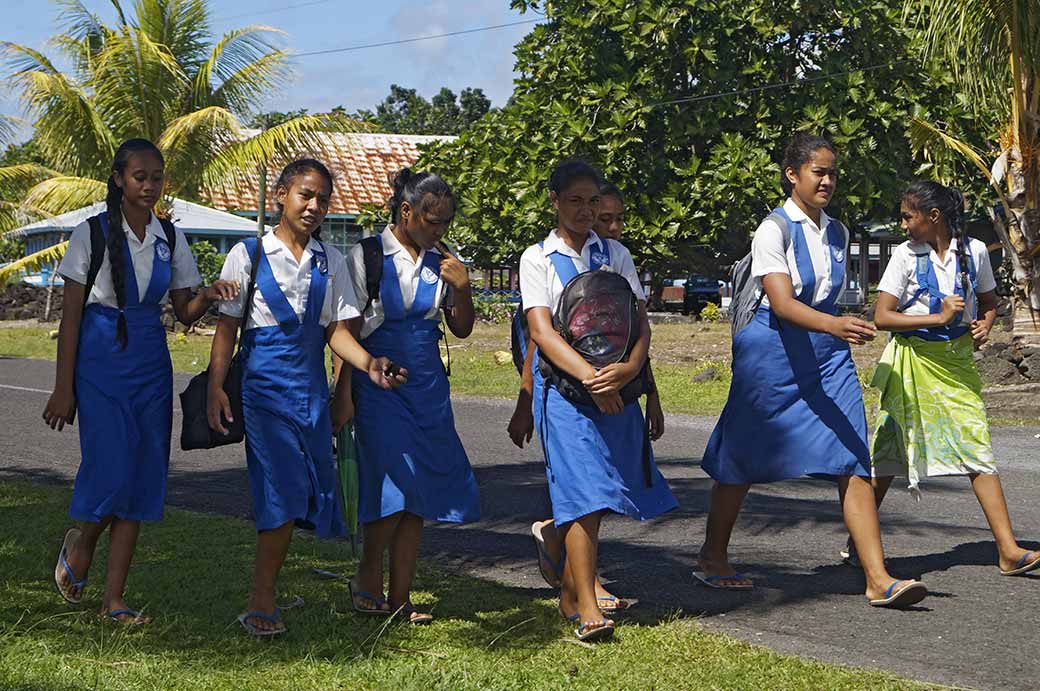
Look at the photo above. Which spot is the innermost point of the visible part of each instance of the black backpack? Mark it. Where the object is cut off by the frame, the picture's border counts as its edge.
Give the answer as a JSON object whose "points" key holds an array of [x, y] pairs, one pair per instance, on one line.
{"points": [[598, 316], [98, 247]]}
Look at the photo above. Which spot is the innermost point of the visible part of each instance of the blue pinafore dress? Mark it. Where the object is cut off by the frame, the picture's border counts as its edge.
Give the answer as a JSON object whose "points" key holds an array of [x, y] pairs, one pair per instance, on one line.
{"points": [[795, 404], [594, 461], [285, 400], [410, 457], [125, 401]]}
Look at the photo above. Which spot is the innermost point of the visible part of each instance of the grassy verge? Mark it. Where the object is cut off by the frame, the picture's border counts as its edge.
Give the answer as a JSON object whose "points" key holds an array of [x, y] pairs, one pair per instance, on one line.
{"points": [[191, 573]]}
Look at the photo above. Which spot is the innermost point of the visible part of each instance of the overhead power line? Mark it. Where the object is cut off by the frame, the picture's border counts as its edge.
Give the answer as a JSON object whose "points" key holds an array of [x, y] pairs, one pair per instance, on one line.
{"points": [[415, 39], [273, 10]]}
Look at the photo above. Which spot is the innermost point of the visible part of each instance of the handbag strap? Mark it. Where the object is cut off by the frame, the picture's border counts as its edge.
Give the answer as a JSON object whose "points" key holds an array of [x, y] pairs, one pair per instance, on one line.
{"points": [[251, 289]]}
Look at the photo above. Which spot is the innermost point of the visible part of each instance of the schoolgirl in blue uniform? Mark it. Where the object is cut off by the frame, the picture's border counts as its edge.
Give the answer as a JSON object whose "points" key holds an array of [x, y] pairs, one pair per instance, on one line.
{"points": [[411, 464], [114, 368], [302, 301], [795, 405], [594, 454]]}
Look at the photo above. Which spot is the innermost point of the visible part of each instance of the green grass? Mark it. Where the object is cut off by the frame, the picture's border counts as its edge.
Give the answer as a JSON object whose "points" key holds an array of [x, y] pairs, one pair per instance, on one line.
{"points": [[192, 571]]}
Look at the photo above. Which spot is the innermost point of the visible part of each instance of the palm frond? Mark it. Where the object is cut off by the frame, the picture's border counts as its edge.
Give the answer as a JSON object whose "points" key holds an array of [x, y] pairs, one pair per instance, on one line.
{"points": [[24, 176], [195, 137], [120, 13], [182, 26], [8, 126], [64, 193], [293, 138], [34, 262], [22, 60], [245, 63]]}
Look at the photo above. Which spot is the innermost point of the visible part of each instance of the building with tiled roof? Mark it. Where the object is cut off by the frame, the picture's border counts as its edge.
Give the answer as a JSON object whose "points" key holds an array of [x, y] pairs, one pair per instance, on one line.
{"points": [[361, 164]]}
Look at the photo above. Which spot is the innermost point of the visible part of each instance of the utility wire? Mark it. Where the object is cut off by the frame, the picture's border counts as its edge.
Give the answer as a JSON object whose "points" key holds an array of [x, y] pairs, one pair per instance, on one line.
{"points": [[271, 11], [414, 40]]}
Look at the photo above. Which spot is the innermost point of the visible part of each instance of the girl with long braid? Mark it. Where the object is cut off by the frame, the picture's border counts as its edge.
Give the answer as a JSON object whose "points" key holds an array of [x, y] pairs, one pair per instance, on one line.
{"points": [[937, 297], [114, 366]]}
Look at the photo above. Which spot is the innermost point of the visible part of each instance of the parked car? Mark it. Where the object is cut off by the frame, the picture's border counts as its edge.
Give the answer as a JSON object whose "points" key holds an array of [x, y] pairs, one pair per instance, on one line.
{"points": [[699, 291]]}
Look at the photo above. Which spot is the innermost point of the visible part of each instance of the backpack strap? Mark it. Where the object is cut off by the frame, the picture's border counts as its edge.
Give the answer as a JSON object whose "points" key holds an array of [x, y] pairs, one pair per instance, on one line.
{"points": [[171, 234], [923, 266], [372, 254], [564, 265], [97, 255]]}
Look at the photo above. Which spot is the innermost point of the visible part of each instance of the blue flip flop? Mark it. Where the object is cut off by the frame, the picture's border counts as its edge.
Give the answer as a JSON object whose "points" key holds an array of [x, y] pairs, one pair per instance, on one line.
{"points": [[62, 568], [1024, 565], [550, 570], [716, 581], [591, 631], [613, 603], [361, 594], [255, 630], [910, 594]]}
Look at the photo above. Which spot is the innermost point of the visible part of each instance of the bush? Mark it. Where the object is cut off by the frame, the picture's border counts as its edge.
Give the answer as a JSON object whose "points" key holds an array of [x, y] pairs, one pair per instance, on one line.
{"points": [[711, 313], [494, 309], [208, 260]]}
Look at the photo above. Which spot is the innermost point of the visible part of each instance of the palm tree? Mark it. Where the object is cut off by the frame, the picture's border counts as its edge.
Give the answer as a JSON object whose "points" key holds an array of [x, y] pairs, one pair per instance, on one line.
{"points": [[992, 48], [157, 75]]}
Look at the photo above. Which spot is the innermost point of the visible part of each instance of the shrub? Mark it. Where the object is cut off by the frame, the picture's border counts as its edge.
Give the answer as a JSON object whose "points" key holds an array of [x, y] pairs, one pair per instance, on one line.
{"points": [[711, 313], [494, 309]]}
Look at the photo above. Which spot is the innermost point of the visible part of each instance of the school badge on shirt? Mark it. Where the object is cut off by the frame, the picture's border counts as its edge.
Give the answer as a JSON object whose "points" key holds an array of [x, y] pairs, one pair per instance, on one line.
{"points": [[838, 253], [428, 275], [162, 251], [322, 263], [599, 258]]}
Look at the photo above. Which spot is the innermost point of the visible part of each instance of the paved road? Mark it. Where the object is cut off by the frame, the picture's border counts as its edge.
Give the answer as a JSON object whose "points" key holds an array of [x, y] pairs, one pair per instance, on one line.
{"points": [[978, 629]]}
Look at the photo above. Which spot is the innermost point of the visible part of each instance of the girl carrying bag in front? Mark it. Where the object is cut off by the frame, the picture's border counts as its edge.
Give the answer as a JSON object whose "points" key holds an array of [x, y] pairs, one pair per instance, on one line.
{"points": [[195, 429]]}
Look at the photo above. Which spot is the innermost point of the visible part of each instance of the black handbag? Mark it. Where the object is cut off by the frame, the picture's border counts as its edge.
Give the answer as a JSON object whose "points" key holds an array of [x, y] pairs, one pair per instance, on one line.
{"points": [[195, 429]]}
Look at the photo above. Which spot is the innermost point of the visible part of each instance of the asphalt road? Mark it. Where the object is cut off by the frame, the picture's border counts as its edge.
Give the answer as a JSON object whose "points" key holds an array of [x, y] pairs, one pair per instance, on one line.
{"points": [[977, 630]]}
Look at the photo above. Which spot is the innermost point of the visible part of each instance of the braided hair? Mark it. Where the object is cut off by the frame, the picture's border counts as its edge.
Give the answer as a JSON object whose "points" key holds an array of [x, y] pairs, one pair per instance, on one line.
{"points": [[409, 186], [299, 167], [925, 195], [116, 236]]}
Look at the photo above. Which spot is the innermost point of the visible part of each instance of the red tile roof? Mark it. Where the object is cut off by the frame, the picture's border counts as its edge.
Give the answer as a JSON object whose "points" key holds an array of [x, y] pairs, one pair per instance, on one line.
{"points": [[360, 164]]}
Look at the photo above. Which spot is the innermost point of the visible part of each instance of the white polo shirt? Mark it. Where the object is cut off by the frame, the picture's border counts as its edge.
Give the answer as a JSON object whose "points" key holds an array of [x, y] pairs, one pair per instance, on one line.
{"points": [[900, 278], [76, 262], [294, 278], [768, 255], [541, 287], [408, 277]]}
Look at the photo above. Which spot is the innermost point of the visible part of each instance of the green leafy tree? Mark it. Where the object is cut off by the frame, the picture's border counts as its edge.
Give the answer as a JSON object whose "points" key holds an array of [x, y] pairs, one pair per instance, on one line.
{"points": [[404, 111], [11, 249], [208, 260], [158, 73], [684, 106]]}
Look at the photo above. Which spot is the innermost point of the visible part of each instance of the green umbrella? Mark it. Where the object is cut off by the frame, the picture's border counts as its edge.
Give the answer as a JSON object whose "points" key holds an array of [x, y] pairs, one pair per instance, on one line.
{"points": [[346, 461]]}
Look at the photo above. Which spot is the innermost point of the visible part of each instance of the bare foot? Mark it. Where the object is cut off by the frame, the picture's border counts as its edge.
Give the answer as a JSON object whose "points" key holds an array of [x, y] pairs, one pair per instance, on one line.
{"points": [[1017, 559]]}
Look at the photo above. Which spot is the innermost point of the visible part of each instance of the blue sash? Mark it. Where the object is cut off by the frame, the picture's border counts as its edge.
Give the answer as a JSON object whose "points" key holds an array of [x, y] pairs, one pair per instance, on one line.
{"points": [[803, 260], [928, 284]]}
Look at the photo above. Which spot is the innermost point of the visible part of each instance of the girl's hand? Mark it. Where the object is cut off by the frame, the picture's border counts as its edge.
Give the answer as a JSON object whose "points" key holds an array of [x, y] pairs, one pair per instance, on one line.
{"points": [[521, 425], [979, 332], [385, 374], [852, 330], [610, 379], [60, 409], [952, 307], [221, 290], [655, 415], [454, 272], [609, 404], [217, 404], [341, 408]]}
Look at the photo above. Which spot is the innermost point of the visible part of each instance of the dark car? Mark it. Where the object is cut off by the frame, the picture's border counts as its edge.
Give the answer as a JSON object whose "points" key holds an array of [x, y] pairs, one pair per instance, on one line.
{"points": [[699, 291]]}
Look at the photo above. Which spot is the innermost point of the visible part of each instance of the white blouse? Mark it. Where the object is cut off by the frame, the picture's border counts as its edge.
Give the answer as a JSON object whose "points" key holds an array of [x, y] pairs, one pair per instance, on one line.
{"points": [[294, 278], [76, 262], [541, 287], [769, 256]]}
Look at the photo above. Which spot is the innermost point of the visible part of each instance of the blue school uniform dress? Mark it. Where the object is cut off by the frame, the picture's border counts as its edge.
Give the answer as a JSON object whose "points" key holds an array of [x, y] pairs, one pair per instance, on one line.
{"points": [[285, 391], [795, 405], [593, 461], [410, 457], [125, 396]]}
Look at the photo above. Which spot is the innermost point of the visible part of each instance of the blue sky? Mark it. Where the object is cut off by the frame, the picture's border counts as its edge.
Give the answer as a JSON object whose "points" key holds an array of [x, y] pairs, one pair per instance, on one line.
{"points": [[357, 79]]}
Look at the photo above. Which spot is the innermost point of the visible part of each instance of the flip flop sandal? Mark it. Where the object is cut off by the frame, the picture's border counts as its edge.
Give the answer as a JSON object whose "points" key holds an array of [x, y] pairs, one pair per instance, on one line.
{"points": [[415, 617], [613, 603], [592, 631], [136, 618], [255, 630], [549, 569], [910, 594], [379, 600], [716, 581], [572, 618], [62, 568], [1024, 565]]}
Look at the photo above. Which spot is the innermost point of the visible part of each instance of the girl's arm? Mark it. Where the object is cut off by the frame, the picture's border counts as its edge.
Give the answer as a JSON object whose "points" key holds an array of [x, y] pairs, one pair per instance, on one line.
{"points": [[189, 309], [888, 317], [552, 345], [987, 305], [786, 306], [383, 373], [454, 273], [342, 403], [654, 411], [220, 354], [61, 407], [521, 424]]}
